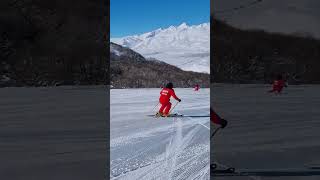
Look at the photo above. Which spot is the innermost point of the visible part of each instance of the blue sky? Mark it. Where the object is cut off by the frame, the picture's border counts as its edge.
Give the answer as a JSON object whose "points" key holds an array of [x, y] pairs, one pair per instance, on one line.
{"points": [[128, 17]]}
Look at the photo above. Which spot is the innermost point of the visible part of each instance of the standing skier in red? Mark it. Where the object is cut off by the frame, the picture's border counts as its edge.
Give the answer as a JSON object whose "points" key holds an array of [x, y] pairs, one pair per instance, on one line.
{"points": [[278, 85], [164, 100], [196, 87]]}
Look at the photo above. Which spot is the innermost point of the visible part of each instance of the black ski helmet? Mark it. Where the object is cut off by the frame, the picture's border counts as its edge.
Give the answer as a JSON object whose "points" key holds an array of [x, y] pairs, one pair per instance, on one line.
{"points": [[279, 77], [169, 85]]}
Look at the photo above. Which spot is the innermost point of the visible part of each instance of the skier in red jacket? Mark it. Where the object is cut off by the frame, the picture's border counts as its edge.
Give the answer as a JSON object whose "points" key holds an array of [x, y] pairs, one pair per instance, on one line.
{"points": [[196, 87], [215, 118], [164, 100], [278, 85]]}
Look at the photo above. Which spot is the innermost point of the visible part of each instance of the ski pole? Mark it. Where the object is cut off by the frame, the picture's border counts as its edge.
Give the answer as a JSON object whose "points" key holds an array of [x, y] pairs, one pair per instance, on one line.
{"points": [[215, 132], [155, 107], [173, 107]]}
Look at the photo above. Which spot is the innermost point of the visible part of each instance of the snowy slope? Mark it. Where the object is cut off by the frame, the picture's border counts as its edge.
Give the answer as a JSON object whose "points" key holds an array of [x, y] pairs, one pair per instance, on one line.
{"points": [[144, 148], [187, 47]]}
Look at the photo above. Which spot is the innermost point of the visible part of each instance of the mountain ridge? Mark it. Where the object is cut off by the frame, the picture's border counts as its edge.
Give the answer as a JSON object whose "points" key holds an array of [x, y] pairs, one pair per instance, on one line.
{"points": [[129, 69], [175, 45]]}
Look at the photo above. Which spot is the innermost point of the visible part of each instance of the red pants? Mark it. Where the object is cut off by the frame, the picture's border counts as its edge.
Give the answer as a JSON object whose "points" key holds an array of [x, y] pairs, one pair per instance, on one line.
{"points": [[166, 107], [276, 89]]}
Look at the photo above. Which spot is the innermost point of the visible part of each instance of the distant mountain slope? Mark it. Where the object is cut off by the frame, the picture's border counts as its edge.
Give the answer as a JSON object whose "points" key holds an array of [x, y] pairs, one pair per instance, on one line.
{"points": [[187, 47], [129, 69], [251, 56]]}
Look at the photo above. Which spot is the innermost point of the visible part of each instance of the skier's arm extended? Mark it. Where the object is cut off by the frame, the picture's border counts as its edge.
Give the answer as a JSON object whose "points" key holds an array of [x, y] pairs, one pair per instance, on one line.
{"points": [[215, 118], [174, 95]]}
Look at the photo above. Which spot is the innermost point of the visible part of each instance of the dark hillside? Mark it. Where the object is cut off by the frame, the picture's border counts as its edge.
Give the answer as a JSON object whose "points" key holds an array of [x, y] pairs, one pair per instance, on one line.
{"points": [[53, 42], [256, 56], [131, 70]]}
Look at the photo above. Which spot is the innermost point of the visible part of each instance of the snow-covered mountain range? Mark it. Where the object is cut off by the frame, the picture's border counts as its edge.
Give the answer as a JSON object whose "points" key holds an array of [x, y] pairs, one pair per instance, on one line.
{"points": [[187, 47]]}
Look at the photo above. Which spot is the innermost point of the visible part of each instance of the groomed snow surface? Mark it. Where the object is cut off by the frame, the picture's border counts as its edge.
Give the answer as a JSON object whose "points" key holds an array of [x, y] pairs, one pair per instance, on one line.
{"points": [[267, 132], [147, 148]]}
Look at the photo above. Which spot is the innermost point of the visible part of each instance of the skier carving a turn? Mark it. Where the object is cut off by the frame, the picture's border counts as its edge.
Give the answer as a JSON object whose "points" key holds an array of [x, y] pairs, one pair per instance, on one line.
{"points": [[164, 100]]}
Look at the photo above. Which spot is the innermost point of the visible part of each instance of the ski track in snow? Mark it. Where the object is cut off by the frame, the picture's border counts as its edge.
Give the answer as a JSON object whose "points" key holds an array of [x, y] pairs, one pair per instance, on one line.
{"points": [[159, 148]]}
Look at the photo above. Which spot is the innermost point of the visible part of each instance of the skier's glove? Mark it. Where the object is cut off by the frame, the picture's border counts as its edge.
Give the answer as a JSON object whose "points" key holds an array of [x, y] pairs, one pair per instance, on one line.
{"points": [[224, 123], [179, 100]]}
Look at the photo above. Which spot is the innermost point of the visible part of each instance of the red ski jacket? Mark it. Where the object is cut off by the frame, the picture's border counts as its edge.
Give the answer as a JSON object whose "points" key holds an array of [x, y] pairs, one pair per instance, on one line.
{"points": [[278, 85], [196, 88], [165, 95], [214, 117]]}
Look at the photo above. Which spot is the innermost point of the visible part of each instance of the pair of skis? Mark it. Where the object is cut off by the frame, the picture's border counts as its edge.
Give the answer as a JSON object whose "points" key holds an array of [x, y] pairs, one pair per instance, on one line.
{"points": [[214, 170], [170, 115], [306, 171]]}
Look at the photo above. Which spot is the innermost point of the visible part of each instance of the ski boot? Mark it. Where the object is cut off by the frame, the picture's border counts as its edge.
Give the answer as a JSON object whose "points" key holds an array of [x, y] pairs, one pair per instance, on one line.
{"points": [[159, 114], [165, 115], [214, 170], [213, 166]]}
